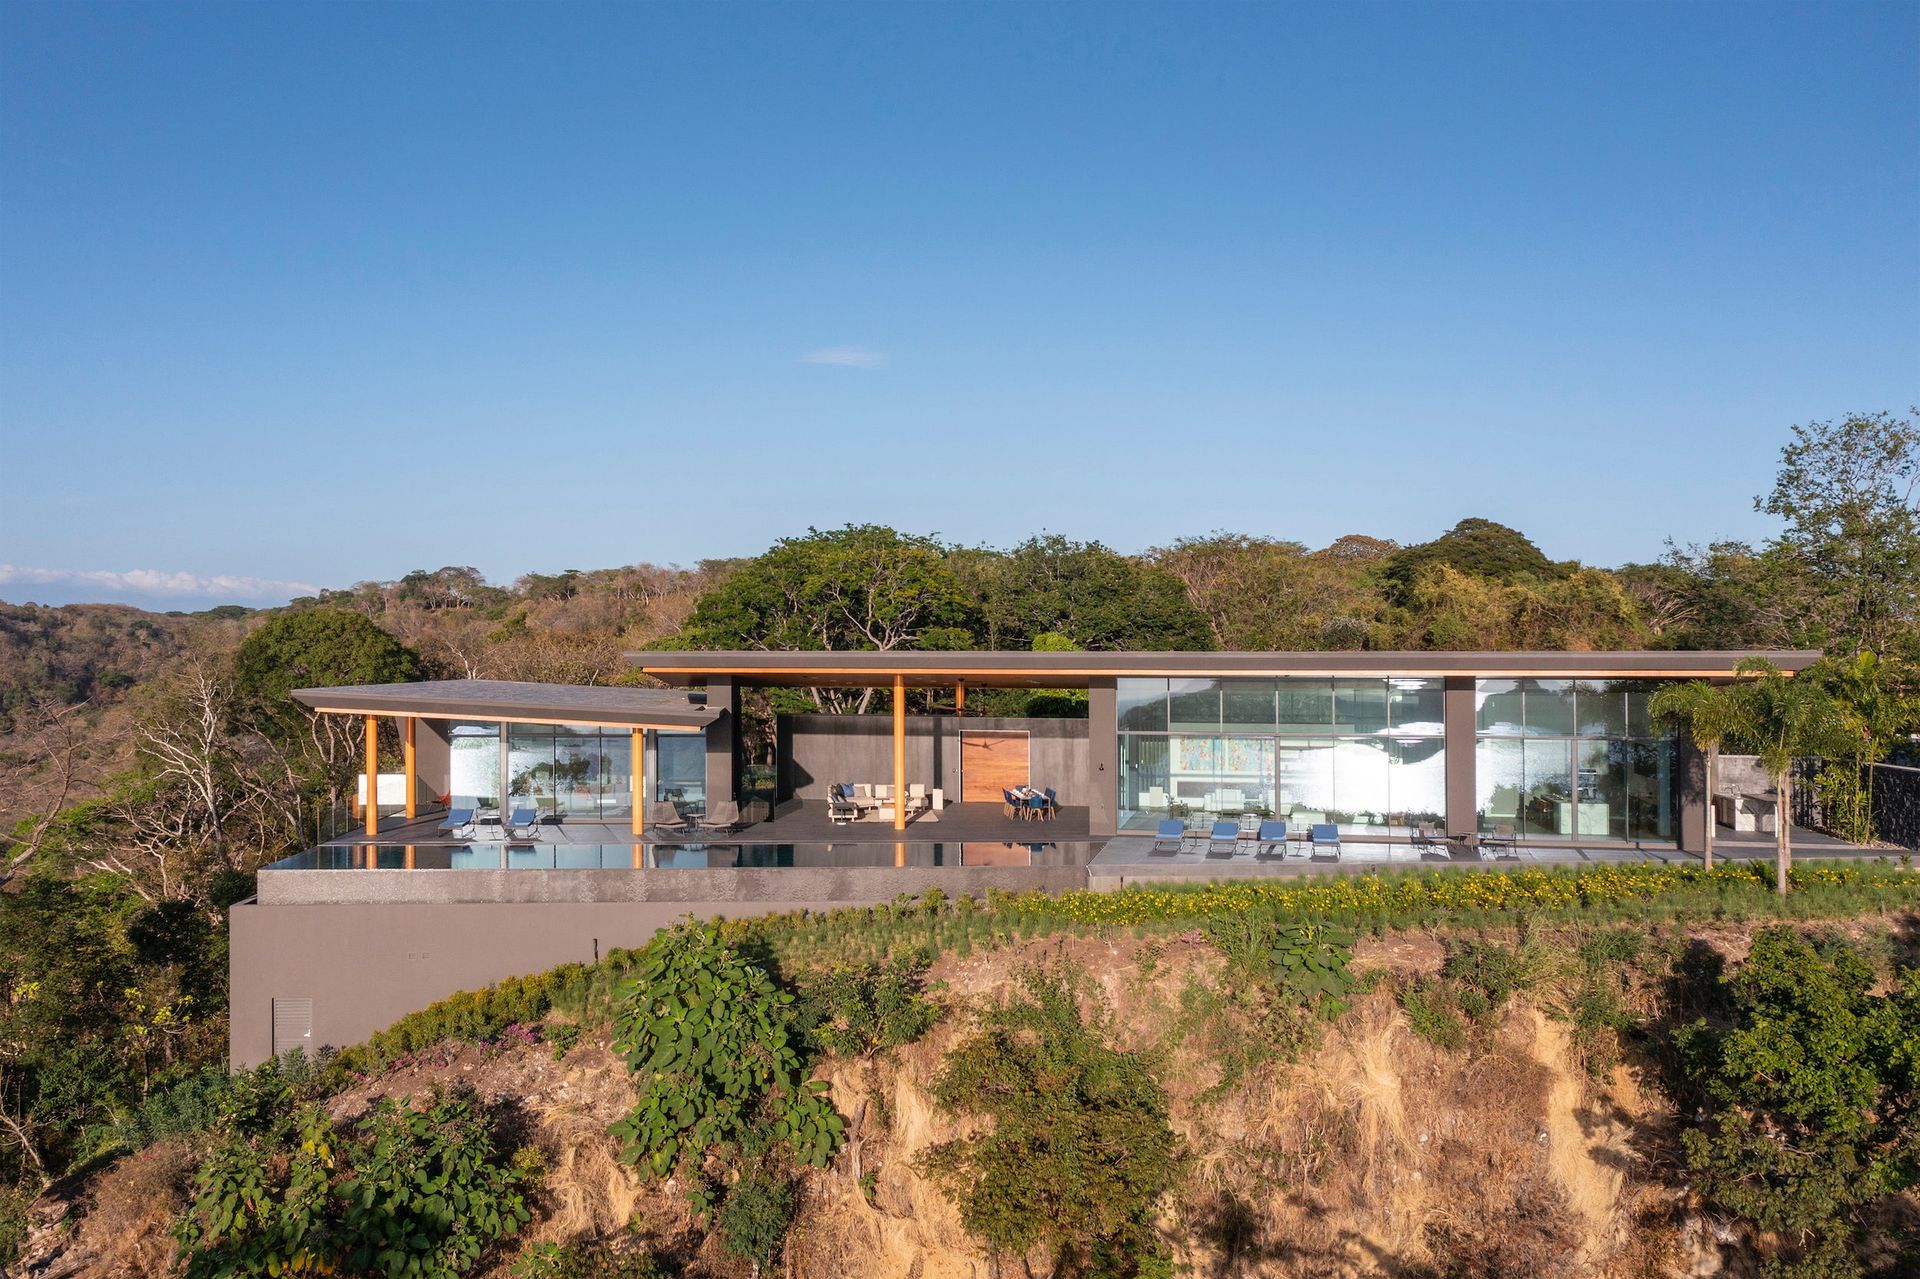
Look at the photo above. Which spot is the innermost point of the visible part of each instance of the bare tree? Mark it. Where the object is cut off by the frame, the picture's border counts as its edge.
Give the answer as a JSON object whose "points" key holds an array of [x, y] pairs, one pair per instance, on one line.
{"points": [[47, 772]]}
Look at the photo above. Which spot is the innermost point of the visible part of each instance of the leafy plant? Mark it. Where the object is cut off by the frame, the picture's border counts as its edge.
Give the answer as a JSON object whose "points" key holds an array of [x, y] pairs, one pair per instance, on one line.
{"points": [[1432, 1018], [419, 1193], [854, 1009], [1813, 1100], [1072, 1150], [755, 1216], [582, 1259], [711, 1043]]}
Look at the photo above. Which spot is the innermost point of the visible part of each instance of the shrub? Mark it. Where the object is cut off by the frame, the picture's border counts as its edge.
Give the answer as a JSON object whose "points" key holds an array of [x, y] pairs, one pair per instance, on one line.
{"points": [[14, 1202], [583, 1259], [1432, 1018], [1073, 1149], [755, 1216], [1485, 975], [711, 1043], [1812, 1093], [854, 1009], [408, 1192]]}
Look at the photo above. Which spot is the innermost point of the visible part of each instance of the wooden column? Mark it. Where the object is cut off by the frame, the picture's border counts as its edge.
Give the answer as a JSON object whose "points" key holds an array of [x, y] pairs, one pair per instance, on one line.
{"points": [[406, 755], [960, 697], [899, 752], [638, 769], [373, 775]]}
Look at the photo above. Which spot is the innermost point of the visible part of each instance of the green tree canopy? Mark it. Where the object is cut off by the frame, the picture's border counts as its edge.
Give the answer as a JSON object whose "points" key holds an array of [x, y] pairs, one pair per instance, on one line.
{"points": [[860, 587], [1480, 548], [1847, 491], [318, 648], [1097, 597]]}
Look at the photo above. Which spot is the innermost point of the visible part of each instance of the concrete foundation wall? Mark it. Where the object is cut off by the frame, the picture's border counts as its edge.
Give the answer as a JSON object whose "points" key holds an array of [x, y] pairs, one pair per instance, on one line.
{"points": [[368, 947], [816, 751]]}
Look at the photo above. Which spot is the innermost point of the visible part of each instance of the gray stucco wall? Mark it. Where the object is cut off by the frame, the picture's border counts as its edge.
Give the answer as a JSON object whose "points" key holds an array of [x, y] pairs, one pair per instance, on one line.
{"points": [[817, 750], [368, 947]]}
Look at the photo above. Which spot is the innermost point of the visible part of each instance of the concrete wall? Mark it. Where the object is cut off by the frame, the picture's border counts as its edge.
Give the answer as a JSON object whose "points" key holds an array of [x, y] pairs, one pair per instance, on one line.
{"points": [[816, 751], [432, 759], [368, 947], [1103, 754], [1462, 795]]}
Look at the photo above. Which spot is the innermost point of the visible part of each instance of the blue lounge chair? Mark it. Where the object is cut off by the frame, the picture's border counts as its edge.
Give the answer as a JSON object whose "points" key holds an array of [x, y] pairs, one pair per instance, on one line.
{"points": [[457, 819], [1273, 833], [1224, 832], [1172, 831], [522, 819], [1324, 836]]}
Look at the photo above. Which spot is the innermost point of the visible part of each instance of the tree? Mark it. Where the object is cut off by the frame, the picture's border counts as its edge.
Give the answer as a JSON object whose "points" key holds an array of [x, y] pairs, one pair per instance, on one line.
{"points": [[1850, 494], [1070, 1149], [1810, 1095], [1478, 547], [1259, 593], [1878, 708], [1768, 714], [317, 648], [1094, 596], [860, 587]]}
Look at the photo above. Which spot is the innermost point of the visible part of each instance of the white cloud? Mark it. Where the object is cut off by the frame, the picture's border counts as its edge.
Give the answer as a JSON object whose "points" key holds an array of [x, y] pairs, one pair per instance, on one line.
{"points": [[152, 581], [846, 357]]}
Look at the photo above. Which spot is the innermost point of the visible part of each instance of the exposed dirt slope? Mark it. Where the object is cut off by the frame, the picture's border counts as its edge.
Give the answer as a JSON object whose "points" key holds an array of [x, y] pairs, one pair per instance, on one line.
{"points": [[1373, 1154]]}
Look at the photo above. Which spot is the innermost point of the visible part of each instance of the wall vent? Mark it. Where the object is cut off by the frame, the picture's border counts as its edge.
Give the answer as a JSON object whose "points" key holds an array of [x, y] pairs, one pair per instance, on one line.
{"points": [[292, 1026]]}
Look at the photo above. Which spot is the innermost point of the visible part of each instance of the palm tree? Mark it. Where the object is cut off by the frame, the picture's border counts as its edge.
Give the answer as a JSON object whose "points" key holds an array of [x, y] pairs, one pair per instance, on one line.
{"points": [[1769, 714]]}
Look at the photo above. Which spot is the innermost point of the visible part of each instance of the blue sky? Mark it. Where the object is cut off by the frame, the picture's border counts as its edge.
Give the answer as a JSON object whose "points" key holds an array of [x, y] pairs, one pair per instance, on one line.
{"points": [[306, 295]]}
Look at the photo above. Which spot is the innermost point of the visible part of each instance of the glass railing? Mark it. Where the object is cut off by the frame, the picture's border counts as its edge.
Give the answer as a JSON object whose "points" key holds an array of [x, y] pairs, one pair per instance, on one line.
{"points": [[687, 856]]}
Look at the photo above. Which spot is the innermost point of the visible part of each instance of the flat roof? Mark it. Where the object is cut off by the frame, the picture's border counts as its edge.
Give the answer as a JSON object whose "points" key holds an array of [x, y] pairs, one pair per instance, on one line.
{"points": [[515, 702], [1020, 669]]}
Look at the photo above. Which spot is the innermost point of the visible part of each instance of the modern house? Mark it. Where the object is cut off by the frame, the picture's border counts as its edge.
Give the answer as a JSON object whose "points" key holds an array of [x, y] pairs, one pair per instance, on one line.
{"points": [[594, 815]]}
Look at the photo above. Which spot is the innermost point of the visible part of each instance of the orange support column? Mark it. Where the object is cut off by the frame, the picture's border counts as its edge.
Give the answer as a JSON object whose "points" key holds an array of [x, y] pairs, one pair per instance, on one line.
{"points": [[960, 697], [373, 775], [636, 768], [899, 752], [406, 755]]}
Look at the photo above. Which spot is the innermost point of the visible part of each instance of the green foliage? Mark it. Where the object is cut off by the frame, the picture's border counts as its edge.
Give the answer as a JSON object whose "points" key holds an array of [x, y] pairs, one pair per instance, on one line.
{"points": [[1846, 491], [1432, 1017], [855, 1009], [715, 1056], [14, 1202], [318, 648], [417, 1193], [755, 1216], [1485, 975], [475, 1015], [860, 587], [1306, 960], [1082, 592], [1812, 1093], [582, 1259], [1481, 548], [1072, 1150]]}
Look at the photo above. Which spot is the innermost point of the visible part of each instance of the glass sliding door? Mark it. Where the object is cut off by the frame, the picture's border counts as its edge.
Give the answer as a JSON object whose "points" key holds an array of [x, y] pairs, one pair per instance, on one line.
{"points": [[474, 765], [1500, 783], [530, 772], [576, 772], [1305, 769], [1549, 796], [1417, 779], [1145, 783], [681, 770], [616, 774]]}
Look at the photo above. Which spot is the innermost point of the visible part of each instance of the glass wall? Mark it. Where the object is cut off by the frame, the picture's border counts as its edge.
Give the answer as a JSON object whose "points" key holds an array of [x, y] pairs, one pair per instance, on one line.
{"points": [[558, 770], [1573, 759], [1366, 754], [680, 770]]}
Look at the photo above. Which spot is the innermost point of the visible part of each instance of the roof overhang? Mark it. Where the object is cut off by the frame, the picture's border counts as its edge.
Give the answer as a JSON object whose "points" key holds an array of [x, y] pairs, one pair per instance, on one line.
{"points": [[513, 702], [1016, 669]]}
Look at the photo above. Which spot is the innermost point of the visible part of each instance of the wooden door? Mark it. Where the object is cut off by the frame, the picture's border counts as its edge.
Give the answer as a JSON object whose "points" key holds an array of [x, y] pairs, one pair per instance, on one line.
{"points": [[990, 763]]}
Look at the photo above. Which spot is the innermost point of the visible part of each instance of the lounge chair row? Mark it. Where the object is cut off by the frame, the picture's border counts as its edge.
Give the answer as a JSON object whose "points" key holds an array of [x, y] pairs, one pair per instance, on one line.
{"points": [[1322, 836]]}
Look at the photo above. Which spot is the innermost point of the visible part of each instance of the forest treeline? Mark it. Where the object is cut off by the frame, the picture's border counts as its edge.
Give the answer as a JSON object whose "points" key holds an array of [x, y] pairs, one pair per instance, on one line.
{"points": [[151, 763]]}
